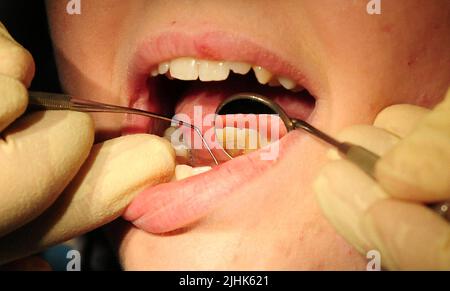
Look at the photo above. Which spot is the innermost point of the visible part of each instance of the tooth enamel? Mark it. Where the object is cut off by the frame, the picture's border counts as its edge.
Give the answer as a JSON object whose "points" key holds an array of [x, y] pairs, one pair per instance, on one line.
{"points": [[262, 74], [181, 149], [168, 132], [240, 140], [239, 68], [263, 142], [185, 171], [298, 89], [154, 73], [200, 170], [286, 83], [184, 69], [163, 68], [248, 139], [213, 71]]}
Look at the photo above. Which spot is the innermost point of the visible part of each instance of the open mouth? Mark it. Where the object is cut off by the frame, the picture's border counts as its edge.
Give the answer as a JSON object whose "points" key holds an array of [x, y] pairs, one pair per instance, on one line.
{"points": [[175, 83]]}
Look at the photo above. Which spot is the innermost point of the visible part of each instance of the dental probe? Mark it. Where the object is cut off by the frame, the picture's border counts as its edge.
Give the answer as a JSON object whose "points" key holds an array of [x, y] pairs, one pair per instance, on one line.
{"points": [[361, 157], [53, 101]]}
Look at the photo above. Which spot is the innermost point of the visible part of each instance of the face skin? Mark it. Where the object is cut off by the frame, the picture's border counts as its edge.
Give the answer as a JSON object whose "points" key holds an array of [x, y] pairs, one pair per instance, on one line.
{"points": [[356, 63]]}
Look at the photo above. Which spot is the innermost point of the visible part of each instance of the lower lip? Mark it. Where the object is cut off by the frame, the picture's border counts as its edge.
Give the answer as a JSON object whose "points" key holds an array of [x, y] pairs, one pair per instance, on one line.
{"points": [[174, 205]]}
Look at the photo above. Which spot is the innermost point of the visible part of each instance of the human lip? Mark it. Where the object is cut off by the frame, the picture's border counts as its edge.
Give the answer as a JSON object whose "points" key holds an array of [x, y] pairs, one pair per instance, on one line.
{"points": [[170, 206], [210, 45]]}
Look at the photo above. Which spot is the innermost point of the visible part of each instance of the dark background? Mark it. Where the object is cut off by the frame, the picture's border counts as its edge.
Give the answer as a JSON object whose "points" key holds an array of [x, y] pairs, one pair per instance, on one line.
{"points": [[26, 21]]}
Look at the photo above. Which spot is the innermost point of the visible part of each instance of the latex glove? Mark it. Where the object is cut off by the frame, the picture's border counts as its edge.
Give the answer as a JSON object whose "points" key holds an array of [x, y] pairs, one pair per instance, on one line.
{"points": [[389, 214], [41, 153]]}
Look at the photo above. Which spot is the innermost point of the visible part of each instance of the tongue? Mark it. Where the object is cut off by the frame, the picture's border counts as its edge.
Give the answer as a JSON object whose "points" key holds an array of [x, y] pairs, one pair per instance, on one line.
{"points": [[198, 105], [210, 94]]}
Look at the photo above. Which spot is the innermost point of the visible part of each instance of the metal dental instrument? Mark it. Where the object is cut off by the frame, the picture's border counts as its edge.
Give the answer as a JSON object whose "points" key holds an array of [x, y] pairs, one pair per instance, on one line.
{"points": [[52, 101], [360, 156]]}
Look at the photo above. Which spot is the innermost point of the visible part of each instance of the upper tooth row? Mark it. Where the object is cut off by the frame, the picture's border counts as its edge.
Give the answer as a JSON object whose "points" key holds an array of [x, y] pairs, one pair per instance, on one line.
{"points": [[189, 69]]}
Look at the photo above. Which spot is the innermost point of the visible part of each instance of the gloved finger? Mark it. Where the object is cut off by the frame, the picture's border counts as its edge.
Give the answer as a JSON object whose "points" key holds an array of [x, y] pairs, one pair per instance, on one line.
{"points": [[13, 100], [400, 119], [408, 236], [39, 155], [345, 193], [114, 173], [417, 168], [390, 125], [16, 61], [377, 140]]}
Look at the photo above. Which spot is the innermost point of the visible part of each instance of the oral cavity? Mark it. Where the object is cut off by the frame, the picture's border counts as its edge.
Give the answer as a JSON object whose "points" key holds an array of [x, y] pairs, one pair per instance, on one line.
{"points": [[191, 69], [187, 83]]}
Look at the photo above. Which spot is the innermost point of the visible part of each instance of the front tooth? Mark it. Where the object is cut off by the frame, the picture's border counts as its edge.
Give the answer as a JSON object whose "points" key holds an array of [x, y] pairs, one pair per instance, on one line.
{"points": [[287, 83], [239, 68], [163, 68], [184, 69], [262, 74], [185, 171], [173, 135], [213, 71], [182, 172], [182, 151]]}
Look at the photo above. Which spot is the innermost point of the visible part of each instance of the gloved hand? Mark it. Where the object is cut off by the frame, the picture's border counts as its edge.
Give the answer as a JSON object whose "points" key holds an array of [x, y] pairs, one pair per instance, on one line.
{"points": [[389, 214], [41, 153]]}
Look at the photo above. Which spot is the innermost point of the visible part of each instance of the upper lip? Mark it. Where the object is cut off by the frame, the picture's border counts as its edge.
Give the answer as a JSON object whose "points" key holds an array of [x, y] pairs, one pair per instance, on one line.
{"points": [[210, 45]]}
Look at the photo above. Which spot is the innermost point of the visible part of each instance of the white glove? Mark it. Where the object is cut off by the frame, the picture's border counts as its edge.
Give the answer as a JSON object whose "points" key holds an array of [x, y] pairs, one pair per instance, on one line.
{"points": [[388, 215], [41, 153]]}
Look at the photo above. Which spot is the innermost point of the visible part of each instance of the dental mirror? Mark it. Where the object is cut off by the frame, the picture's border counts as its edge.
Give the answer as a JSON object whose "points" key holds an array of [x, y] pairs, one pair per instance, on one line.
{"points": [[246, 122], [236, 134]]}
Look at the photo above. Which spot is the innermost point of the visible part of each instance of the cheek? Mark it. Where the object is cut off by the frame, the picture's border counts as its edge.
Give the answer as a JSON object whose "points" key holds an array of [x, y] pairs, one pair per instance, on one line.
{"points": [[87, 52], [86, 47], [375, 61]]}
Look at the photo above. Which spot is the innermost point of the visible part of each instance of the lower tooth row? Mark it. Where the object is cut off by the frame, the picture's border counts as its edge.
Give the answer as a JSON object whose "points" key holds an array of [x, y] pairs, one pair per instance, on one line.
{"points": [[235, 140], [239, 139]]}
